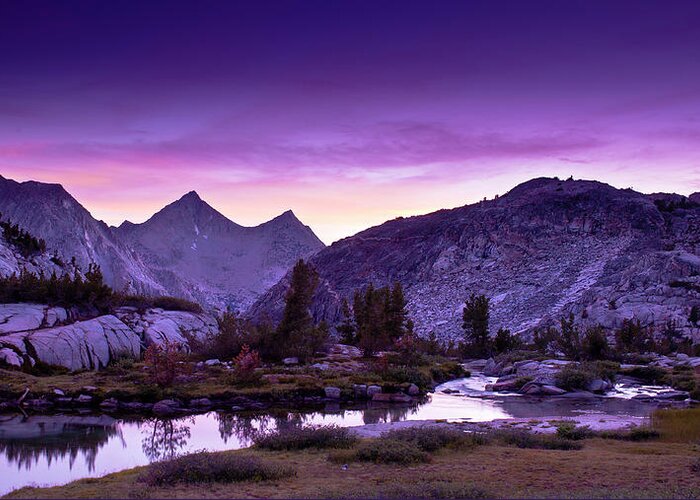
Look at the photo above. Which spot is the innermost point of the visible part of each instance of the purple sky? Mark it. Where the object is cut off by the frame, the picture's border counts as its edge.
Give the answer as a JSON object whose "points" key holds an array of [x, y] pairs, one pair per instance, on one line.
{"points": [[349, 113]]}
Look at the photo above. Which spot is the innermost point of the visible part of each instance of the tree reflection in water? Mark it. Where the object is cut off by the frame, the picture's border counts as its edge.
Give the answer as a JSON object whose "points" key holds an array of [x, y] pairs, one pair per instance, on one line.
{"points": [[26, 440], [164, 438]]}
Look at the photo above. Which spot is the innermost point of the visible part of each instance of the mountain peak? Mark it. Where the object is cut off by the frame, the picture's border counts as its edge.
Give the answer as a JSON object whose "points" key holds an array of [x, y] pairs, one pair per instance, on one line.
{"points": [[192, 196]]}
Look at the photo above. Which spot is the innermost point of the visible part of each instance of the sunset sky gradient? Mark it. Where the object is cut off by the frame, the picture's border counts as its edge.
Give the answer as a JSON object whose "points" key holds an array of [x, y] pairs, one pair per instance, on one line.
{"points": [[349, 113]]}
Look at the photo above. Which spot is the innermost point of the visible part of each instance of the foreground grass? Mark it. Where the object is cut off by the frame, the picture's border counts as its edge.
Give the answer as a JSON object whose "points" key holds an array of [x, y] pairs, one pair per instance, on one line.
{"points": [[678, 425], [601, 469]]}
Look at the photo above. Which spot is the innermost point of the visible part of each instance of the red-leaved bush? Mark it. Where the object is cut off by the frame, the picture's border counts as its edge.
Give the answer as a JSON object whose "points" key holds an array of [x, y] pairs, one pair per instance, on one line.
{"points": [[163, 362], [246, 362]]}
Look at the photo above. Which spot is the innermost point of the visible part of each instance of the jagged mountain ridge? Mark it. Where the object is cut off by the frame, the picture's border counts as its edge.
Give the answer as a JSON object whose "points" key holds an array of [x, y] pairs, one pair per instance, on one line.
{"points": [[225, 265], [545, 249], [198, 253], [49, 212]]}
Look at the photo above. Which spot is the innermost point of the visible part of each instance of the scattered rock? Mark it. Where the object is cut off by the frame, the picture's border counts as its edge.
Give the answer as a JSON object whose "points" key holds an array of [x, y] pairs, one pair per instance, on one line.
{"points": [[372, 390], [359, 390], [201, 403], [332, 392], [599, 386], [166, 407], [552, 390], [672, 395], [84, 399], [109, 404]]}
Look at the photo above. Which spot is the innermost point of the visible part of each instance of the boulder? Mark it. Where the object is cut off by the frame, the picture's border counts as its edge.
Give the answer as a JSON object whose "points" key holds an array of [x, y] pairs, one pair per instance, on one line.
{"points": [[160, 327], [166, 407], [84, 345], [84, 399], [25, 317], [290, 361], [332, 392], [359, 390], [109, 404], [372, 390], [212, 362], [672, 396], [201, 403], [531, 389], [552, 390], [413, 390], [10, 357], [59, 392], [599, 386], [320, 366], [508, 383]]}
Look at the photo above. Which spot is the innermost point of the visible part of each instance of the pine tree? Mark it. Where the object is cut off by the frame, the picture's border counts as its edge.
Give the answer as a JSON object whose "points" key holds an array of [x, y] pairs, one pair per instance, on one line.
{"points": [[346, 329], [296, 334], [475, 323]]}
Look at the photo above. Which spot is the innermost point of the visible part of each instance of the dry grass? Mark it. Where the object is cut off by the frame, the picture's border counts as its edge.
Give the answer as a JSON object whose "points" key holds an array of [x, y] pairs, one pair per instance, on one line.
{"points": [[603, 468], [678, 425]]}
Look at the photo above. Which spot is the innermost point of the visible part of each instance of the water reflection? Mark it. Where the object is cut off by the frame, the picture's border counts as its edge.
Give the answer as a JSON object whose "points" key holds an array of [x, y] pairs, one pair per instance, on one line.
{"points": [[165, 438], [46, 448], [25, 440]]}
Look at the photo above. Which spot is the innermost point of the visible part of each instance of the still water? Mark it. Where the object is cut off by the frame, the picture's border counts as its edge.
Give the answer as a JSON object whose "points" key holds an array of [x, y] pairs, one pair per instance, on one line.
{"points": [[56, 449]]}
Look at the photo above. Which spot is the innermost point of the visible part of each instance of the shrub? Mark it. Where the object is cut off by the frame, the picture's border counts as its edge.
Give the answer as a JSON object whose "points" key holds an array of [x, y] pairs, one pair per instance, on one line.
{"points": [[569, 430], [647, 374], [246, 363], [447, 371], [573, 377], [403, 375], [431, 438], [299, 438], [390, 451], [205, 467], [142, 302], [595, 344], [525, 439], [505, 341], [163, 362]]}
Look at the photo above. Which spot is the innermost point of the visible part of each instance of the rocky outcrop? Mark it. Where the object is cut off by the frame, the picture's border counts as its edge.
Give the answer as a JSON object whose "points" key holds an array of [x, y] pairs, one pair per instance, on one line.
{"points": [[24, 317], [157, 326], [33, 333], [545, 249]]}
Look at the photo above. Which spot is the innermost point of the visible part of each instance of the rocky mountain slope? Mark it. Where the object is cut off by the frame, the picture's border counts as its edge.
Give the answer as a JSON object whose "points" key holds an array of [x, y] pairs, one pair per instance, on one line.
{"points": [[197, 253], [47, 211], [543, 250], [187, 250]]}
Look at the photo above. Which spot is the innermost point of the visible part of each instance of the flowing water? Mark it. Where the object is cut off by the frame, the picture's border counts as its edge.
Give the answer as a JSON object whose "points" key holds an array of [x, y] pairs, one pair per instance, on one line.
{"points": [[56, 449]]}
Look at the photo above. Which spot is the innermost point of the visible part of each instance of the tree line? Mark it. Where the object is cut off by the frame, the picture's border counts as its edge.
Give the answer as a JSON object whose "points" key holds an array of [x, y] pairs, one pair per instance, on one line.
{"points": [[26, 244]]}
